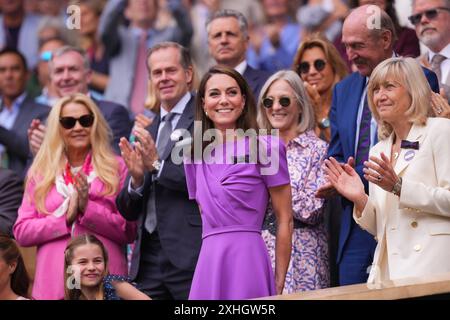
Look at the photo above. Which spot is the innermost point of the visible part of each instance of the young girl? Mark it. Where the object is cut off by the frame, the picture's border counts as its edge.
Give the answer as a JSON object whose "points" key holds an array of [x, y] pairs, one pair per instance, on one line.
{"points": [[14, 280], [86, 273]]}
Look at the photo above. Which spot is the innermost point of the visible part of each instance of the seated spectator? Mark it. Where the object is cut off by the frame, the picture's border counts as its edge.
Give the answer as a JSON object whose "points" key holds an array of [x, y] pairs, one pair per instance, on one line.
{"points": [[320, 66], [14, 280], [408, 206], [86, 256], [11, 191], [17, 111], [71, 189], [284, 105]]}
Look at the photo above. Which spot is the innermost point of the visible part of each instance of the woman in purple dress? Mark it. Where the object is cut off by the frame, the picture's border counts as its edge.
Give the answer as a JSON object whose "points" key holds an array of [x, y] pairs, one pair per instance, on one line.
{"points": [[232, 180]]}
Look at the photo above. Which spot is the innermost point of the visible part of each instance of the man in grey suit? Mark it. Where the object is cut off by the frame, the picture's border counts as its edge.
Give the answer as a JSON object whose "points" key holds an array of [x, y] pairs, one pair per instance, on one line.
{"points": [[155, 194], [228, 41], [11, 191], [17, 111]]}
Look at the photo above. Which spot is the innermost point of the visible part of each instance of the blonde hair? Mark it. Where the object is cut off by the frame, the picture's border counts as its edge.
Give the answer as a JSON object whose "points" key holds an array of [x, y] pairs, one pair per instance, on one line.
{"points": [[409, 74], [306, 119], [50, 160]]}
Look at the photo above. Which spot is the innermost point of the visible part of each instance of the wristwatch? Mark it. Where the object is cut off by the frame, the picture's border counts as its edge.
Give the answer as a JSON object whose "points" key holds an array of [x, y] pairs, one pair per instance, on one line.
{"points": [[156, 165], [397, 187], [324, 123]]}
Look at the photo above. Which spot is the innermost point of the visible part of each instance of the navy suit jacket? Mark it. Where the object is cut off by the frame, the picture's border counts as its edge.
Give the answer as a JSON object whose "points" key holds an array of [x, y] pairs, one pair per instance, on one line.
{"points": [[16, 139], [11, 191], [255, 79], [343, 114], [179, 222], [118, 120]]}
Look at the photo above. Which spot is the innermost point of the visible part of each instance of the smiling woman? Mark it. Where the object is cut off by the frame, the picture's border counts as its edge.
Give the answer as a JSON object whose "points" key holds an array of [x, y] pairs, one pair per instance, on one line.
{"points": [[70, 190]]}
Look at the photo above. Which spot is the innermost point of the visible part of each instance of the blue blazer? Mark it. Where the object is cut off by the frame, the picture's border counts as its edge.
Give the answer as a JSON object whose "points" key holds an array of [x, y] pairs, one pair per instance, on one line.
{"points": [[118, 119], [15, 139], [343, 114], [255, 79]]}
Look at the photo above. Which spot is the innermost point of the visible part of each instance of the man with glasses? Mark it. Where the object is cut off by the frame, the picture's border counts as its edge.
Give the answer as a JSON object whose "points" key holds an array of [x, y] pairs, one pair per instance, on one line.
{"points": [[354, 131], [431, 19]]}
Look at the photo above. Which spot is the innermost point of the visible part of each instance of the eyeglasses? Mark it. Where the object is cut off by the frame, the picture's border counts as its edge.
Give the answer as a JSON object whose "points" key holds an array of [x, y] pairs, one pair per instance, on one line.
{"points": [[46, 56], [283, 101], [319, 65], [430, 14], [69, 122]]}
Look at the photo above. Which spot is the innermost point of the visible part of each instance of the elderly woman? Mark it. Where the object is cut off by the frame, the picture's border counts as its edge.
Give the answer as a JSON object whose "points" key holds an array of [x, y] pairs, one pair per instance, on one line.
{"points": [[284, 105], [232, 189], [320, 66], [408, 209], [71, 189]]}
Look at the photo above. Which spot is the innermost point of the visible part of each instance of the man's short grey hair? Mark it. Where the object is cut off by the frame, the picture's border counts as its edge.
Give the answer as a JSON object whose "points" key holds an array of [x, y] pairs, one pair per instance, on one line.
{"points": [[63, 50], [386, 24], [229, 13], [185, 56]]}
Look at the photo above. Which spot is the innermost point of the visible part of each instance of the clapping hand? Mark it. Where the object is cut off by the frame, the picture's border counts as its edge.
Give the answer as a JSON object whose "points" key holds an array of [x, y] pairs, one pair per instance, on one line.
{"points": [[380, 172], [36, 133], [147, 147], [133, 160], [328, 190], [440, 106], [82, 188]]}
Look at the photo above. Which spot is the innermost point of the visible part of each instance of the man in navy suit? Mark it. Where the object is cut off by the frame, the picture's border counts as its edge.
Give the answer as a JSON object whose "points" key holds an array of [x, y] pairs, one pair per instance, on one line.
{"points": [[70, 73], [11, 191], [351, 123], [155, 194], [228, 41], [17, 111]]}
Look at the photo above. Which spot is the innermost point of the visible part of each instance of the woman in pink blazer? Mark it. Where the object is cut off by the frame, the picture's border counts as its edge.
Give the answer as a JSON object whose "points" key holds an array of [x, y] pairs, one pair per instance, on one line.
{"points": [[70, 190]]}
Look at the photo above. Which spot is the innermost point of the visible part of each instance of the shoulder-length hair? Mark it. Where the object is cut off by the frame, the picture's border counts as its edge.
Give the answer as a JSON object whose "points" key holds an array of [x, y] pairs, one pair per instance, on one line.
{"points": [[247, 119], [409, 74], [306, 119], [81, 240], [331, 55], [51, 158], [10, 253]]}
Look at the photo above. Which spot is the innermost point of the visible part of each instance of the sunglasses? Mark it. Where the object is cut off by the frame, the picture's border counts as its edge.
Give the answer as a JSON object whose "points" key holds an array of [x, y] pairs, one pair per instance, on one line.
{"points": [[319, 65], [283, 101], [430, 14], [69, 122], [46, 56]]}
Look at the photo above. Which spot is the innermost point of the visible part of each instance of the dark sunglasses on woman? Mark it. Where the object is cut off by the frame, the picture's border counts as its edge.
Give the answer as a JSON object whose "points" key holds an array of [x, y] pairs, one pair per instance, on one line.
{"points": [[283, 101], [319, 65], [430, 14], [69, 122]]}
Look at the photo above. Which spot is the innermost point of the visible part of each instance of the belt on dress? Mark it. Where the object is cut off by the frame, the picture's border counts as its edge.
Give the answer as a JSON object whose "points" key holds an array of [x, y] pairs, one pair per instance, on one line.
{"points": [[235, 228], [270, 224]]}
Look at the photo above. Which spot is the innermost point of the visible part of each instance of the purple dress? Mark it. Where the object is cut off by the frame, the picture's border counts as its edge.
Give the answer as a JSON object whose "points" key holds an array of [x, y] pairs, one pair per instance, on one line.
{"points": [[233, 261]]}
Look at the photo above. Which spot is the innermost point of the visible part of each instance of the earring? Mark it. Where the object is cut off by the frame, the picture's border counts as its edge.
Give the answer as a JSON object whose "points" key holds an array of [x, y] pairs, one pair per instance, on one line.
{"points": [[206, 113]]}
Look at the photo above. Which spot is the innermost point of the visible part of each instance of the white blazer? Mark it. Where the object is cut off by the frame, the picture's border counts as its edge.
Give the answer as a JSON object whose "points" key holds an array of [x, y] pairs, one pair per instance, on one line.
{"points": [[413, 231]]}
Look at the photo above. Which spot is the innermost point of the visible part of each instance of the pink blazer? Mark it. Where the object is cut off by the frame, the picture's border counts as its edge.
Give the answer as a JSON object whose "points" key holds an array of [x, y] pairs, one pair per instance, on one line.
{"points": [[50, 234]]}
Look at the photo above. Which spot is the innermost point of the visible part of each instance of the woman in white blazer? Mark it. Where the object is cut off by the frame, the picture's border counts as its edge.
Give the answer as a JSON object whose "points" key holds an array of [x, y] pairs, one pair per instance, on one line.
{"points": [[408, 210]]}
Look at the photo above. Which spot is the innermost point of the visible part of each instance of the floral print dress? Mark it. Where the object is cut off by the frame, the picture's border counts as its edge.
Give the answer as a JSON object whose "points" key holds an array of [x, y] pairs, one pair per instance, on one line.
{"points": [[309, 265]]}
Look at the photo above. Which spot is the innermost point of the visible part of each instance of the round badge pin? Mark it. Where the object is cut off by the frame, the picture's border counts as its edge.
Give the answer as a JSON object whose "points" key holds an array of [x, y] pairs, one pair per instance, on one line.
{"points": [[409, 155]]}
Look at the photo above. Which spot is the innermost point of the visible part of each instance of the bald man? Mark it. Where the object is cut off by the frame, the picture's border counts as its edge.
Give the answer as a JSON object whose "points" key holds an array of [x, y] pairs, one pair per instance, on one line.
{"points": [[368, 42]]}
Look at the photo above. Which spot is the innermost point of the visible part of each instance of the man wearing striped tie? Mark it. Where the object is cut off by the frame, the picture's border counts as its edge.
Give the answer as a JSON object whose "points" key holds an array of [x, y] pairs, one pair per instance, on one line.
{"points": [[368, 35]]}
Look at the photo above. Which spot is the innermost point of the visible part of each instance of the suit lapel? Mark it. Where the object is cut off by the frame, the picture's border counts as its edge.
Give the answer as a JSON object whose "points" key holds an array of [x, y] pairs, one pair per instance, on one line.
{"points": [[23, 115], [185, 122], [417, 133]]}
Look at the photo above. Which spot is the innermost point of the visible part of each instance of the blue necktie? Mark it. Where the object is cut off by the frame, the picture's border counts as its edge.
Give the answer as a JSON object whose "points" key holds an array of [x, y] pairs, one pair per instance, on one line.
{"points": [[362, 152]]}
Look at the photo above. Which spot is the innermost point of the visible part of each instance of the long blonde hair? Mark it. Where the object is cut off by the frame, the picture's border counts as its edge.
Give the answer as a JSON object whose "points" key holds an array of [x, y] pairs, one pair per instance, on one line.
{"points": [[51, 158]]}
